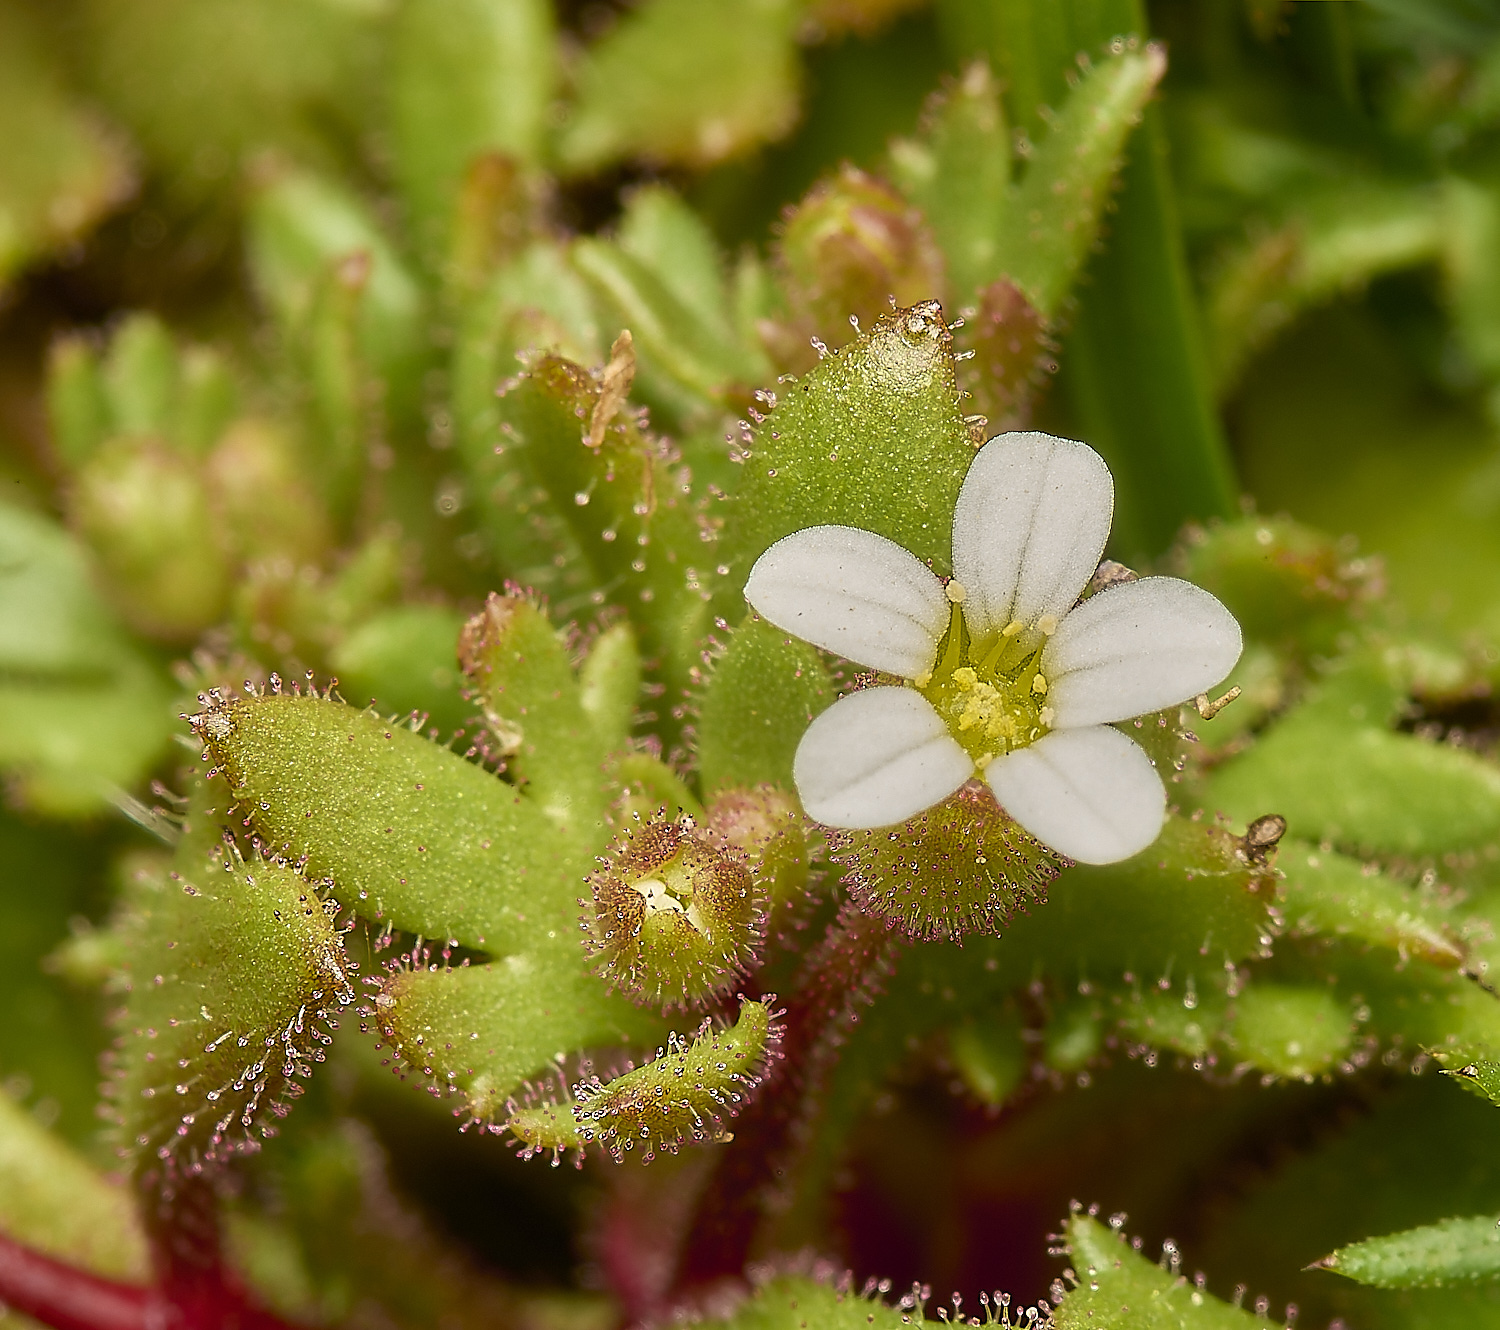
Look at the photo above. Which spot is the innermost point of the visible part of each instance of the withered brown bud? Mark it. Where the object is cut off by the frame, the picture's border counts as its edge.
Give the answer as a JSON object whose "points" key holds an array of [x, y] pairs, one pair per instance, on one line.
{"points": [[676, 916]]}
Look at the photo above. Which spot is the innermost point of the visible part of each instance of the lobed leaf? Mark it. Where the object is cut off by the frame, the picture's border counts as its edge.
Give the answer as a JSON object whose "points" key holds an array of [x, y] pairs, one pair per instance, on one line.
{"points": [[481, 1030], [686, 1093], [235, 977]]}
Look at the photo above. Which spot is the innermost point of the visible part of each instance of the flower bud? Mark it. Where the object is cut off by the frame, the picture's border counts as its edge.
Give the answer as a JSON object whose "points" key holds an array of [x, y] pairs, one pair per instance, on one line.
{"points": [[1013, 355], [963, 866], [143, 508], [676, 916], [767, 827], [847, 248]]}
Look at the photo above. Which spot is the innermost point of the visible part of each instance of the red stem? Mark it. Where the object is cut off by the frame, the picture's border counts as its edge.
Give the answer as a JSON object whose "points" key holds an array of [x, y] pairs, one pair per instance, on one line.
{"points": [[844, 974], [62, 1296], [194, 1291]]}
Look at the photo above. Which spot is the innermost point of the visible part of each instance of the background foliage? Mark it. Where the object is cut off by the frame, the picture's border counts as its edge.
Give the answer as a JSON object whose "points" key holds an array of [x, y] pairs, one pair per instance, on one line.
{"points": [[263, 265]]}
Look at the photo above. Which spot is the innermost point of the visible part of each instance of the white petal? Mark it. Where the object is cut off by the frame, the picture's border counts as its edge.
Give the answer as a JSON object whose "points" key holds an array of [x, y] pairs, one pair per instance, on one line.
{"points": [[855, 593], [875, 758], [1031, 522], [1135, 648], [1090, 794]]}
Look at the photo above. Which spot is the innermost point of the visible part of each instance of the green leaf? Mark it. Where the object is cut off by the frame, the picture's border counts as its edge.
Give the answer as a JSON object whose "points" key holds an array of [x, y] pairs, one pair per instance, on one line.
{"points": [[685, 81], [958, 172], [661, 232], [468, 77], [52, 622], [1298, 1033], [763, 693], [533, 703], [53, 1200], [1330, 895], [1053, 219], [872, 437], [301, 226], [610, 684], [687, 1093], [1120, 1289], [695, 357], [1455, 1251], [61, 171], [1335, 775], [140, 376], [794, 1302], [76, 408], [483, 1029], [402, 660], [405, 830]]}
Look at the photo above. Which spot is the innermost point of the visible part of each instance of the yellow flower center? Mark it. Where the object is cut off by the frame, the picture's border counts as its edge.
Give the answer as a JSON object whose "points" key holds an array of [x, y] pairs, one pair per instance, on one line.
{"points": [[991, 693]]}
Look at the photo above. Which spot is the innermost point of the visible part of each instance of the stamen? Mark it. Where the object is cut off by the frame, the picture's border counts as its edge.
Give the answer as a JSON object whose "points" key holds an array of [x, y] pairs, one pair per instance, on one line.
{"points": [[1012, 628], [1039, 685], [1047, 624], [956, 592]]}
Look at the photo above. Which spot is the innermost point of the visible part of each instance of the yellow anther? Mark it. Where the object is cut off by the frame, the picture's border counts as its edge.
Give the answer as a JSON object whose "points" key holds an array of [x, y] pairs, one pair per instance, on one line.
{"points": [[1047, 716], [983, 761], [1012, 628], [1048, 624], [1039, 685], [965, 677], [956, 592], [923, 679]]}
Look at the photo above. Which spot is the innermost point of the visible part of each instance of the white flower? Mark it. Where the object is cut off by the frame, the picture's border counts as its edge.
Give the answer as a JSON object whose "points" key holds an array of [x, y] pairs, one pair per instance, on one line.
{"points": [[1011, 677]]}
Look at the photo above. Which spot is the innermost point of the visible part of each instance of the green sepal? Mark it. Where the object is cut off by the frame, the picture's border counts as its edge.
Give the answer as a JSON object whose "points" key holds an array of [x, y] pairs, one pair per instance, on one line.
{"points": [[532, 702], [466, 78], [481, 1030], [235, 975], [685, 81], [1119, 1288], [957, 170], [871, 437], [764, 691], [1054, 214], [403, 829], [1454, 1251]]}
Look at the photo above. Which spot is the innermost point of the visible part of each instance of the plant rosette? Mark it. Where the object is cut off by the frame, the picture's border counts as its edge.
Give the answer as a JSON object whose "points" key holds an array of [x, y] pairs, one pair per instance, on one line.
{"points": [[1009, 675]]}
